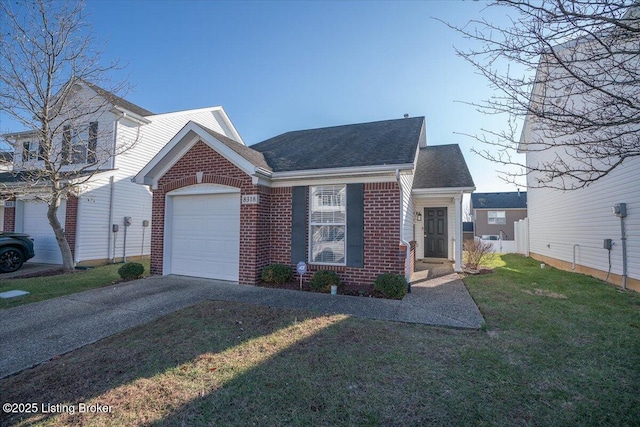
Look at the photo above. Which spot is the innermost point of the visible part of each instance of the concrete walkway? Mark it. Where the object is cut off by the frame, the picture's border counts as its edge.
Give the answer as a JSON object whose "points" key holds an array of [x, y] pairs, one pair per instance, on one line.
{"points": [[34, 333]]}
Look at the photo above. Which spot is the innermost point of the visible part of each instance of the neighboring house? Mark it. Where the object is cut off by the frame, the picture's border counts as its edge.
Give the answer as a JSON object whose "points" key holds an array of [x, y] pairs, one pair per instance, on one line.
{"points": [[495, 213], [340, 198], [108, 218], [571, 229], [467, 230]]}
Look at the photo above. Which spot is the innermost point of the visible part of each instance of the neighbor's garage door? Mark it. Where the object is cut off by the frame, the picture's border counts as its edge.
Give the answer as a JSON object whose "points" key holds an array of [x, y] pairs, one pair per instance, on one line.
{"points": [[205, 236], [36, 224]]}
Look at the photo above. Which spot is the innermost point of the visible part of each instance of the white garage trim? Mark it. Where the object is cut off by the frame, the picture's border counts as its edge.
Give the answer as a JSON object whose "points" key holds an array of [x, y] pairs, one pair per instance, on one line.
{"points": [[31, 218], [230, 197]]}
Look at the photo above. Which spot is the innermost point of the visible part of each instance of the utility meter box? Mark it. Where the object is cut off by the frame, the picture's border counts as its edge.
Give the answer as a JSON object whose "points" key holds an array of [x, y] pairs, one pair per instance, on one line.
{"points": [[127, 221], [608, 244], [145, 222], [619, 210], [114, 228]]}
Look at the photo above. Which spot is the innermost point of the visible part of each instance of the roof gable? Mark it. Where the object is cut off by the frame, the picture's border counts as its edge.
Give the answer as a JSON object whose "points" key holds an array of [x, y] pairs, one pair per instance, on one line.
{"points": [[245, 158], [441, 166], [118, 101], [503, 200], [386, 142]]}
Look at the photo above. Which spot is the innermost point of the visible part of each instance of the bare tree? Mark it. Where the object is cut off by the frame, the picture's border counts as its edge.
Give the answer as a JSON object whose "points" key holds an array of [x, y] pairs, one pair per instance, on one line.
{"points": [[571, 70], [48, 75]]}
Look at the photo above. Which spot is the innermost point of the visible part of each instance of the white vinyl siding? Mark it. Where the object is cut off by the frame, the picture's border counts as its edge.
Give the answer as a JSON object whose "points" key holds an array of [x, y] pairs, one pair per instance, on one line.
{"points": [[559, 220], [406, 181]]}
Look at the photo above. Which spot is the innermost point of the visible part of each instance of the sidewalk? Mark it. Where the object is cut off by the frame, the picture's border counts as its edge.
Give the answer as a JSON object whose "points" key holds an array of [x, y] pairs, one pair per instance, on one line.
{"points": [[34, 333]]}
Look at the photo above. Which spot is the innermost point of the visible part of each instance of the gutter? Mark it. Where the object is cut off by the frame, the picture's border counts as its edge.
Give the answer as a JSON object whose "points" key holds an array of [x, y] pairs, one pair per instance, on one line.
{"points": [[404, 242], [327, 172]]}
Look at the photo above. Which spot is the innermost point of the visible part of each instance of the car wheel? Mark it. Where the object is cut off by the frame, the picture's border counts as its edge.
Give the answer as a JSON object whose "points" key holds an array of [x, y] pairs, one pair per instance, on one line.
{"points": [[11, 259]]}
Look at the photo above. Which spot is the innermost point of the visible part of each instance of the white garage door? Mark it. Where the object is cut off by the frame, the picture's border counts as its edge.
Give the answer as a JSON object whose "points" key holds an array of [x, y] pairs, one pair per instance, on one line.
{"points": [[205, 236], [36, 224]]}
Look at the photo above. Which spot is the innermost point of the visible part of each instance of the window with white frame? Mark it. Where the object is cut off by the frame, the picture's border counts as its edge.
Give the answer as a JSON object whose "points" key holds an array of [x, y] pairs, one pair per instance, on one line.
{"points": [[496, 217], [327, 224], [30, 151], [79, 145]]}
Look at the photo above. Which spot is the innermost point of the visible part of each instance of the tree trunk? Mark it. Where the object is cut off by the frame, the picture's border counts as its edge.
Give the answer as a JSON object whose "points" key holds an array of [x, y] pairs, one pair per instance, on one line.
{"points": [[61, 238]]}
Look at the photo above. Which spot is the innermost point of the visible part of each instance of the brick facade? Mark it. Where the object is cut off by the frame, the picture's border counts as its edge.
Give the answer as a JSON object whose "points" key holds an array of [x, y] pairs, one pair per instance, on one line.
{"points": [[70, 222], [9, 219], [265, 228]]}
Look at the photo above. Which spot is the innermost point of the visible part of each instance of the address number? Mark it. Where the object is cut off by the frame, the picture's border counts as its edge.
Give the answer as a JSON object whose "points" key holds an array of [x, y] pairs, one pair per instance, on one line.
{"points": [[251, 199]]}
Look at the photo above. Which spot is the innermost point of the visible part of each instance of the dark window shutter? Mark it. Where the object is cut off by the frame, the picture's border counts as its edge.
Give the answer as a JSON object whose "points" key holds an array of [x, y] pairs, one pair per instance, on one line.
{"points": [[355, 225], [298, 224], [66, 144], [93, 143], [25, 151], [42, 153]]}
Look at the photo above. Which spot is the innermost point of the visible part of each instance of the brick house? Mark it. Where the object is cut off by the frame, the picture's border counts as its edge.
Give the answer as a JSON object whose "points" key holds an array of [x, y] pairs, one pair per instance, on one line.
{"points": [[344, 198]]}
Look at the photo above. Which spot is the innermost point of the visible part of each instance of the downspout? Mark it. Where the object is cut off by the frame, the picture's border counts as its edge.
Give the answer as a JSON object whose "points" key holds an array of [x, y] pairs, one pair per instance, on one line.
{"points": [[623, 238], [402, 240], [111, 234]]}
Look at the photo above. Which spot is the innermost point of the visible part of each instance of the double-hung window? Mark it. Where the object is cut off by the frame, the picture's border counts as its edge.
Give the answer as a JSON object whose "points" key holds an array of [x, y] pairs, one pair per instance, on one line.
{"points": [[327, 224], [30, 151], [496, 217], [79, 144]]}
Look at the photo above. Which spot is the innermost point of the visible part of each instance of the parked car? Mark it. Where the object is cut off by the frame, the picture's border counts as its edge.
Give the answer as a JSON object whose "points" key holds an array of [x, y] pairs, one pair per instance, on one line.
{"points": [[15, 249]]}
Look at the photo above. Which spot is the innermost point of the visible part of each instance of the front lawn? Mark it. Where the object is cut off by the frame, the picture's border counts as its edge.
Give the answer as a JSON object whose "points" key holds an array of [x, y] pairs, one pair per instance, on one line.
{"points": [[42, 288], [558, 349]]}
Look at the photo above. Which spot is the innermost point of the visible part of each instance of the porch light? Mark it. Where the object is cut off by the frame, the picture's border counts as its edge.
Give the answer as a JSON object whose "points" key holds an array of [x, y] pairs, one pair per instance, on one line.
{"points": [[418, 216]]}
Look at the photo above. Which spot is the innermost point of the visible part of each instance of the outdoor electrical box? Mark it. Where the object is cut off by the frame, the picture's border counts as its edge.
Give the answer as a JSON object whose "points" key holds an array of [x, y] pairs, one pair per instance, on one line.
{"points": [[608, 244], [127, 221], [619, 210], [145, 222], [114, 228]]}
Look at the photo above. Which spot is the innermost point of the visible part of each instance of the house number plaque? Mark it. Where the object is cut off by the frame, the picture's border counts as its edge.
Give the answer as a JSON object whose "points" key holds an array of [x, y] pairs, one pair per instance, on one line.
{"points": [[250, 199]]}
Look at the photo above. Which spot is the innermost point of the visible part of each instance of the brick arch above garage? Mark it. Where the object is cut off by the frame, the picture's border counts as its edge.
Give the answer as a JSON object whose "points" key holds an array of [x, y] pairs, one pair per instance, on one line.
{"points": [[214, 169]]}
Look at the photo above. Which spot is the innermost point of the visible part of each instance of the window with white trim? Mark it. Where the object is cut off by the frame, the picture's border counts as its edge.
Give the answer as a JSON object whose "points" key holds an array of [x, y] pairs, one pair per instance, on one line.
{"points": [[496, 217], [30, 150], [327, 224]]}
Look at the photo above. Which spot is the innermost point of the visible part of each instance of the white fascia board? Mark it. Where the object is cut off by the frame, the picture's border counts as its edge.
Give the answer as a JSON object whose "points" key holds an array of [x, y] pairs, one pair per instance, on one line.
{"points": [[18, 135], [348, 171], [442, 191], [354, 179], [230, 125], [123, 113]]}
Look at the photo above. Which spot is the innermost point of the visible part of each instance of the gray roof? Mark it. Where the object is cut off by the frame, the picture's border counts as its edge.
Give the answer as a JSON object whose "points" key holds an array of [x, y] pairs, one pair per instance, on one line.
{"points": [[441, 166], [120, 102], [30, 176], [255, 157], [364, 144], [467, 226], [506, 200]]}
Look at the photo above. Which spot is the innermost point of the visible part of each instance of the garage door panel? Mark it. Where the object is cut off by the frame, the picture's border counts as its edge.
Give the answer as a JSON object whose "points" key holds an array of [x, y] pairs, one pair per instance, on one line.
{"points": [[205, 236], [36, 224]]}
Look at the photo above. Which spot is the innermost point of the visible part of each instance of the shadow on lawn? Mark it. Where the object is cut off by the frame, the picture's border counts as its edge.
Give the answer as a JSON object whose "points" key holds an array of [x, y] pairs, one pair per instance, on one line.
{"points": [[140, 353]]}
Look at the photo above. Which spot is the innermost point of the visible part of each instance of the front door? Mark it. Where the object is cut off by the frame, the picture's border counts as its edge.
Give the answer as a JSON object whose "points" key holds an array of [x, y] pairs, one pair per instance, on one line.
{"points": [[435, 233]]}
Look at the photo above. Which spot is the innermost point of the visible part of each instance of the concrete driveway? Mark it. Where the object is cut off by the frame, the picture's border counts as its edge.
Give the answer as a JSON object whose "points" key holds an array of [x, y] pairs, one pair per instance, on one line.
{"points": [[34, 333]]}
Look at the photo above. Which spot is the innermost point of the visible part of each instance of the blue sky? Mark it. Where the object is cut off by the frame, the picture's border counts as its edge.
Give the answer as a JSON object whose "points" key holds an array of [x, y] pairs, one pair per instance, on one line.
{"points": [[282, 66]]}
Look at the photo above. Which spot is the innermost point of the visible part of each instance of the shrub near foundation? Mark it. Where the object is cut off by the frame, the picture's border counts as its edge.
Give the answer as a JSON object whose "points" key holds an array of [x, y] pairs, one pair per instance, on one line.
{"points": [[391, 285], [131, 270], [277, 273], [322, 280]]}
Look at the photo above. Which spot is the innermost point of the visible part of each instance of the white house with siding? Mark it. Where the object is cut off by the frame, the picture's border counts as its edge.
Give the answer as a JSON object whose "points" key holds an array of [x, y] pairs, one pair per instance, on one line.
{"points": [[570, 229], [110, 199]]}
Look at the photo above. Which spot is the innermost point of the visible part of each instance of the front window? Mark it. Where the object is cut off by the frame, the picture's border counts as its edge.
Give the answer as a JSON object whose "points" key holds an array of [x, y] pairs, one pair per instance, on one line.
{"points": [[327, 224], [497, 217]]}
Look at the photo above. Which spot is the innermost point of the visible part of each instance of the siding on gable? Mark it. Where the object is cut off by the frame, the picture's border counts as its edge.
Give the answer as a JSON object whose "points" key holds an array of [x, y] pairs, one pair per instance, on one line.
{"points": [[559, 220]]}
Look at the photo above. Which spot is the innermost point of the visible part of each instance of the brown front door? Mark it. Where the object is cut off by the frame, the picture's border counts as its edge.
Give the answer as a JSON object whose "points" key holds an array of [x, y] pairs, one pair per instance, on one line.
{"points": [[435, 233]]}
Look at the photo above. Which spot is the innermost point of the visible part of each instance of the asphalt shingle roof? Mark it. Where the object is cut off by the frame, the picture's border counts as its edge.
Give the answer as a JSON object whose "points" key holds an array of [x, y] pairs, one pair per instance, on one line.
{"points": [[363, 144], [441, 166], [120, 102], [255, 157], [505, 200]]}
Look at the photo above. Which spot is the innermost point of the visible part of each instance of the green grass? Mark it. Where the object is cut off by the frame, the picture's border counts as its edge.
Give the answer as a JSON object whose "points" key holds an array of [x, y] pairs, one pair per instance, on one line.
{"points": [[42, 288], [559, 349]]}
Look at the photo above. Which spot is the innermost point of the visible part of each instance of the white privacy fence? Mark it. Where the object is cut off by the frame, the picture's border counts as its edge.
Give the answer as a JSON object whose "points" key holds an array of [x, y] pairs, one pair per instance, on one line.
{"points": [[521, 234], [502, 246]]}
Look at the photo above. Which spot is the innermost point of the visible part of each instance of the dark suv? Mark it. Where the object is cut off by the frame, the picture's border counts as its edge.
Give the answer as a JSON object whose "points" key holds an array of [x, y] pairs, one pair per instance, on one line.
{"points": [[15, 249]]}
